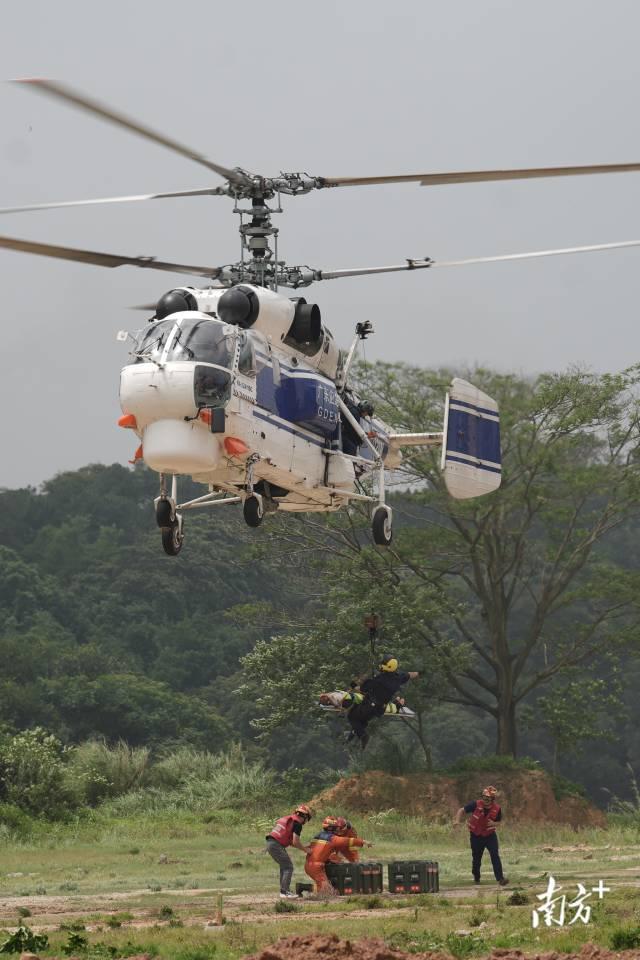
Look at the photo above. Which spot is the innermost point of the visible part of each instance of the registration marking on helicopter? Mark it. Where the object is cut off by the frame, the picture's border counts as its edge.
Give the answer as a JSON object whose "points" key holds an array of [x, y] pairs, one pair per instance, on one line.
{"points": [[245, 389]]}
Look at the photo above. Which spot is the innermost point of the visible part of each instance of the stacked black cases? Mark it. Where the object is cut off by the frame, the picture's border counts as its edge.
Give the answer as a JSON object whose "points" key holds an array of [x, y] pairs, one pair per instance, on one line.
{"points": [[343, 876], [369, 877], [417, 876]]}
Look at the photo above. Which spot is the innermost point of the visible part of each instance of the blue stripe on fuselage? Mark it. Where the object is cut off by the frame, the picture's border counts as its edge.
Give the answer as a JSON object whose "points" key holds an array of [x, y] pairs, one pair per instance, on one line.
{"points": [[301, 397], [288, 428]]}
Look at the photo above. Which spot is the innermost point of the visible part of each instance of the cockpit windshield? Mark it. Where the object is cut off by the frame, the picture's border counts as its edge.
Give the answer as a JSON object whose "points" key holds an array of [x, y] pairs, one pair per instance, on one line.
{"points": [[207, 341]]}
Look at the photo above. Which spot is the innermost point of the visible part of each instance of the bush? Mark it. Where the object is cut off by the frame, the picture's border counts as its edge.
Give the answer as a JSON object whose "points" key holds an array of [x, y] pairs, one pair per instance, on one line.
{"points": [[625, 938], [102, 771], [24, 940], [232, 782], [183, 764], [14, 822], [76, 943], [286, 906], [518, 898], [566, 788], [32, 765]]}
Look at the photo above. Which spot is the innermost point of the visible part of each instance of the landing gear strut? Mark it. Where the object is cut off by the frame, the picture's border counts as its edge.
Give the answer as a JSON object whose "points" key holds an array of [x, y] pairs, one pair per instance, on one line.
{"points": [[168, 519], [253, 510], [172, 538], [381, 524], [253, 505]]}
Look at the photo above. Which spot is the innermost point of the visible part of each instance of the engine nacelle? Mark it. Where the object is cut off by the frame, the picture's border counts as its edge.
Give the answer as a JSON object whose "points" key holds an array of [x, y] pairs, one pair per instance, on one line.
{"points": [[263, 310], [295, 323]]}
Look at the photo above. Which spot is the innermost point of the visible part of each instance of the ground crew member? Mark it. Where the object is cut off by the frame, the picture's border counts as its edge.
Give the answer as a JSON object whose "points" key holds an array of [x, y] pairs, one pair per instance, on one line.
{"points": [[485, 814], [286, 833], [323, 845], [346, 829], [378, 690]]}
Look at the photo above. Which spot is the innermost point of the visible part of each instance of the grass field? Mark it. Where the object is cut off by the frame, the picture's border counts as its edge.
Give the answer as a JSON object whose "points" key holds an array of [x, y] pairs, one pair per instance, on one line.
{"points": [[152, 884]]}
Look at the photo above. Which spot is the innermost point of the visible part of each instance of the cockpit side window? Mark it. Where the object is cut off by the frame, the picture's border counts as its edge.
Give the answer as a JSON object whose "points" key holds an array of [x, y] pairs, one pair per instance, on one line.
{"points": [[202, 340], [247, 358], [152, 341]]}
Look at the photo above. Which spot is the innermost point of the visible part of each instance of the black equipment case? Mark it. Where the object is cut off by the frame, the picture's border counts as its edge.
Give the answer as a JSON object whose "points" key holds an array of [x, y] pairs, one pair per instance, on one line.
{"points": [[370, 877], [343, 877], [355, 877], [417, 876]]}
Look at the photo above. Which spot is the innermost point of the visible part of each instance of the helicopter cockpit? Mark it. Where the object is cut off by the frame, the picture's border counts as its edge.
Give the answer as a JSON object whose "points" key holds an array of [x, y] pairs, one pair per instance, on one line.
{"points": [[208, 343], [198, 339]]}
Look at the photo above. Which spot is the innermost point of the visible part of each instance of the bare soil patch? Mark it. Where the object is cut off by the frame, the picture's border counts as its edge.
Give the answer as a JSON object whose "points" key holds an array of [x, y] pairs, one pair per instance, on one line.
{"points": [[318, 947]]}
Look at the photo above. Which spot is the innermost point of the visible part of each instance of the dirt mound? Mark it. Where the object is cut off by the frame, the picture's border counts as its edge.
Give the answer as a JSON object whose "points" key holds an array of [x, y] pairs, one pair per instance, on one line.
{"points": [[318, 947], [525, 795]]}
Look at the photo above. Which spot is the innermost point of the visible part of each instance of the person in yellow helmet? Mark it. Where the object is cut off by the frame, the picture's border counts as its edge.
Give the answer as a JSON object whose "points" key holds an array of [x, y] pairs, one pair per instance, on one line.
{"points": [[378, 690]]}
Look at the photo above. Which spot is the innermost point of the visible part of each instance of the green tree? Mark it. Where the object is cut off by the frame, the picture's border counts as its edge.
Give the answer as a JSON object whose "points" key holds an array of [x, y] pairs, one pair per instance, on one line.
{"points": [[578, 708], [508, 591]]}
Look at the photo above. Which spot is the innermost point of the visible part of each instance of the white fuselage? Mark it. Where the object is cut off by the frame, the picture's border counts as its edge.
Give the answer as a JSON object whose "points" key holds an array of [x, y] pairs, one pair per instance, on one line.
{"points": [[280, 410]]}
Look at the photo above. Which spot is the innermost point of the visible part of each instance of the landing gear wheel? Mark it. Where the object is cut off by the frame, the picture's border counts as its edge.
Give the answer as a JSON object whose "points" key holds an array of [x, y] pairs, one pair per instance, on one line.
{"points": [[253, 510], [163, 514], [381, 526], [172, 539]]}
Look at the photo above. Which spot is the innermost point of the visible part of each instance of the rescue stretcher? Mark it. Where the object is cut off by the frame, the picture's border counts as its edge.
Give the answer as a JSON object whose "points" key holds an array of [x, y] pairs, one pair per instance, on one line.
{"points": [[392, 710]]}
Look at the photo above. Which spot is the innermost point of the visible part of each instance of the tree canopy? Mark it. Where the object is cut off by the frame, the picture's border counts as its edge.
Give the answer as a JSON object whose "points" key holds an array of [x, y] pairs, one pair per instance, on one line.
{"points": [[497, 597]]}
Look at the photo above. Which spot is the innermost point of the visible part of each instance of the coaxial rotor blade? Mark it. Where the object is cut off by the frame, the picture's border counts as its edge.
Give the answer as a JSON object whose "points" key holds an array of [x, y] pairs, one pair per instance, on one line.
{"points": [[62, 92], [364, 271], [206, 191], [476, 176], [104, 259], [426, 262], [560, 251]]}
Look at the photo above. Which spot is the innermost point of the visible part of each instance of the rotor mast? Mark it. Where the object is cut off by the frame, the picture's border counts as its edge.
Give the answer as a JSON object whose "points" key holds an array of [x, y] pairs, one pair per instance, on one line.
{"points": [[259, 262]]}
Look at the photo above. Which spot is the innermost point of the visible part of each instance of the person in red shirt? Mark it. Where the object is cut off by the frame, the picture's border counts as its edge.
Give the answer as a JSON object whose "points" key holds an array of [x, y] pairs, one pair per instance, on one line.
{"points": [[286, 833], [321, 849], [485, 814]]}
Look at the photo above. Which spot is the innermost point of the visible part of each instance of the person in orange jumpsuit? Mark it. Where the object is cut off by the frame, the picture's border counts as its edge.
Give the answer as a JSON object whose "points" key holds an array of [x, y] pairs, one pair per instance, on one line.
{"points": [[323, 845], [345, 829]]}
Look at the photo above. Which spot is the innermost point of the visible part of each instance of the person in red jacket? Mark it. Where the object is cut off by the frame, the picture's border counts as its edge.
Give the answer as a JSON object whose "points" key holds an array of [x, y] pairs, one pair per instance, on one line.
{"points": [[485, 814], [286, 833], [322, 847]]}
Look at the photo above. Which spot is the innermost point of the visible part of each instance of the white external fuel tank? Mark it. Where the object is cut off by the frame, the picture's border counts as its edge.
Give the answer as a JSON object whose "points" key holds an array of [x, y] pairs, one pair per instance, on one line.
{"points": [[171, 446]]}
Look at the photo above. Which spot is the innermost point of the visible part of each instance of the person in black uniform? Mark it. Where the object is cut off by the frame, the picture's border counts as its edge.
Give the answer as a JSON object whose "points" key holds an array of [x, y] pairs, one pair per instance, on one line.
{"points": [[358, 409], [378, 691]]}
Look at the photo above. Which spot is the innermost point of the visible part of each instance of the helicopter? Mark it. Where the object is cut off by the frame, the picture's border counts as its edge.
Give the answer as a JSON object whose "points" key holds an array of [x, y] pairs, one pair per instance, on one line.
{"points": [[245, 389]]}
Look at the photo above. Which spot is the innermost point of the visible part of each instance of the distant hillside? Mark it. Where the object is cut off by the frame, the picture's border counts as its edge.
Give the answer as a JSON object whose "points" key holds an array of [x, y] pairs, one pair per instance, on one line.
{"points": [[102, 634]]}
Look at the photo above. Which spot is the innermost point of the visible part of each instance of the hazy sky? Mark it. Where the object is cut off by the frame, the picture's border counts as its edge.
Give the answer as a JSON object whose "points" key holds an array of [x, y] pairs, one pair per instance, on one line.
{"points": [[355, 87]]}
